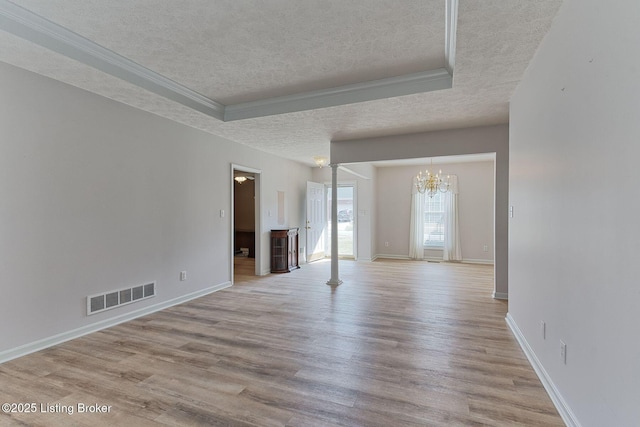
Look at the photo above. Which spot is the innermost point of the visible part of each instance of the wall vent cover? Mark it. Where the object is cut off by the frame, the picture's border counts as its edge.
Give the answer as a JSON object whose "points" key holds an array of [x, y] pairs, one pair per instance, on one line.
{"points": [[112, 299]]}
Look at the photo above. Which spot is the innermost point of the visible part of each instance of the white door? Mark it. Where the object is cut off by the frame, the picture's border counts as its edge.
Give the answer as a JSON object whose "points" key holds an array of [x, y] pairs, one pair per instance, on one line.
{"points": [[315, 221]]}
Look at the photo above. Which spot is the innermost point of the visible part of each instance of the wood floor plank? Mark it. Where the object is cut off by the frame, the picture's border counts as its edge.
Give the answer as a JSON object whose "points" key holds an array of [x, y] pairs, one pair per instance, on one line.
{"points": [[399, 343]]}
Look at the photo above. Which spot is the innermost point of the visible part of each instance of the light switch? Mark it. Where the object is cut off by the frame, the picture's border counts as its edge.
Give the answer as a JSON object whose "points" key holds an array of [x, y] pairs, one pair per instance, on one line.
{"points": [[221, 213]]}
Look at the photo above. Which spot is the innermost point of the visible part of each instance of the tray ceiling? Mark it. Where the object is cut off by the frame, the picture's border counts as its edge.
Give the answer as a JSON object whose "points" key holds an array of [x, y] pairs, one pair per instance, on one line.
{"points": [[240, 51]]}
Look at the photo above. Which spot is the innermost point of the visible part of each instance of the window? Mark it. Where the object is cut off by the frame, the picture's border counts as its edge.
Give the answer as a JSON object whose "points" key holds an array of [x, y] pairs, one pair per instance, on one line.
{"points": [[434, 220]]}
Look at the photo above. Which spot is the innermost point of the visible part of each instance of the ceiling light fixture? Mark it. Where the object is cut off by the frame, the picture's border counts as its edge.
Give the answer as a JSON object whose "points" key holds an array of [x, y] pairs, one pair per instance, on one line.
{"points": [[321, 160], [240, 179], [430, 183]]}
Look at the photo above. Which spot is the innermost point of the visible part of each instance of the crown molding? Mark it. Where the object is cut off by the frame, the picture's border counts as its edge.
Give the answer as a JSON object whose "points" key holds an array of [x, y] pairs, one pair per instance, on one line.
{"points": [[348, 94], [451, 27], [30, 26]]}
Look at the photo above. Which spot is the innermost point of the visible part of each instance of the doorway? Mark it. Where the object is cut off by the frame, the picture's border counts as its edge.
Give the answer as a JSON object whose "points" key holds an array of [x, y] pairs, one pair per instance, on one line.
{"points": [[245, 222], [346, 220]]}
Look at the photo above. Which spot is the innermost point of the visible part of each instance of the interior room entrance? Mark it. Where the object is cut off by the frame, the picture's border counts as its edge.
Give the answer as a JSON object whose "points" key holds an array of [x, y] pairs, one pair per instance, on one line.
{"points": [[245, 238]]}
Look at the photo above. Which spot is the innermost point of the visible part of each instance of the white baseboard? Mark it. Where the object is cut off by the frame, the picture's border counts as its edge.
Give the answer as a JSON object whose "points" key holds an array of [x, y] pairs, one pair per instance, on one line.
{"points": [[500, 295], [406, 257], [391, 256], [434, 259], [477, 261], [561, 405], [32, 347]]}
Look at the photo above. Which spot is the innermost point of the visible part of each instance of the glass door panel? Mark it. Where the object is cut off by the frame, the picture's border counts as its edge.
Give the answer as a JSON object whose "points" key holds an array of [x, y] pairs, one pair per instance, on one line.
{"points": [[346, 225]]}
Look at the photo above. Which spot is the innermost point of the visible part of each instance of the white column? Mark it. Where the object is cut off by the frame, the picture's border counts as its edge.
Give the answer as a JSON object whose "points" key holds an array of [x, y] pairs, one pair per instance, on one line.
{"points": [[335, 280]]}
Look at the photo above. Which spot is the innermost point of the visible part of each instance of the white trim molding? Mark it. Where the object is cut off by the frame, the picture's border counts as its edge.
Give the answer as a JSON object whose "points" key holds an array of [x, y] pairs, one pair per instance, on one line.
{"points": [[561, 405], [451, 27], [391, 256], [39, 30], [500, 295], [477, 261], [30, 26], [258, 217], [391, 87], [32, 347]]}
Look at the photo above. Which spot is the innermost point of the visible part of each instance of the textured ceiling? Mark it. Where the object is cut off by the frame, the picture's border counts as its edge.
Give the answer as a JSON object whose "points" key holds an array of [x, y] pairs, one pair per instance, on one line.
{"points": [[234, 51], [240, 50]]}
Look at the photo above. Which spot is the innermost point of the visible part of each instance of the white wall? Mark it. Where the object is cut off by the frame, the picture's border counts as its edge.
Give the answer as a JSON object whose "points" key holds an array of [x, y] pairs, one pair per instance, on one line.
{"points": [[476, 204], [96, 196], [575, 235]]}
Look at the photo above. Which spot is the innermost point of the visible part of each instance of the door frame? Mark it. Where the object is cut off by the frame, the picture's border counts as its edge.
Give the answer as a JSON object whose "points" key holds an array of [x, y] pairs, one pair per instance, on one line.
{"points": [[258, 217], [347, 183]]}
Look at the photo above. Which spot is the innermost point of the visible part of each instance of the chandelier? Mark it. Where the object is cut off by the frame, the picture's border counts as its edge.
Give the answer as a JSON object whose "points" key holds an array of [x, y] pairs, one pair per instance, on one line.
{"points": [[242, 178], [321, 160], [430, 184]]}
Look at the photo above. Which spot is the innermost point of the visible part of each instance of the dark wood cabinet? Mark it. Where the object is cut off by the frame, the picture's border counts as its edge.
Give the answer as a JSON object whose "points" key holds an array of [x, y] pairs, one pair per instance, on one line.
{"points": [[284, 250]]}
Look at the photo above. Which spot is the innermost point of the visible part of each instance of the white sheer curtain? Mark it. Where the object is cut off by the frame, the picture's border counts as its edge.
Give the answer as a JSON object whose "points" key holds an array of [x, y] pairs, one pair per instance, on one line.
{"points": [[416, 236], [452, 251]]}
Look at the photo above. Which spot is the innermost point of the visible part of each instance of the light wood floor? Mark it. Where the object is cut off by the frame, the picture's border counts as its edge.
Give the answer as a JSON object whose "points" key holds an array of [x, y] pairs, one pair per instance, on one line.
{"points": [[400, 343]]}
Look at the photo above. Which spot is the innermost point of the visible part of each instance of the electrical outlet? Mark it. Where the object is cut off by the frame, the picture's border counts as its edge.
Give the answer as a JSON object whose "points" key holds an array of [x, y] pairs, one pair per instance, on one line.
{"points": [[386, 244], [485, 248], [563, 352], [183, 276], [543, 329]]}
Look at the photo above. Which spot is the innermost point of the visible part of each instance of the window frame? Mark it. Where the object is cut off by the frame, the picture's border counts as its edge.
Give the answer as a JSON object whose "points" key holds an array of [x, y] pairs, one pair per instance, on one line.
{"points": [[428, 205]]}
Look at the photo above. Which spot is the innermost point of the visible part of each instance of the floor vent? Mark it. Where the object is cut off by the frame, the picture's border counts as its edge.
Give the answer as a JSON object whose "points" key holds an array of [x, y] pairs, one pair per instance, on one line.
{"points": [[113, 299]]}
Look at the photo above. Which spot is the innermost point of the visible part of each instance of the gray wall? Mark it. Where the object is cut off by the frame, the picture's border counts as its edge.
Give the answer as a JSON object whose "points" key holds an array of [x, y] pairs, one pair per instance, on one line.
{"points": [[96, 196], [476, 195], [575, 235]]}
